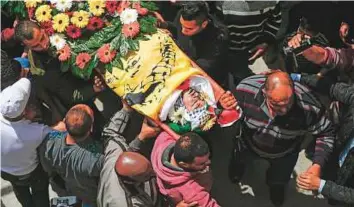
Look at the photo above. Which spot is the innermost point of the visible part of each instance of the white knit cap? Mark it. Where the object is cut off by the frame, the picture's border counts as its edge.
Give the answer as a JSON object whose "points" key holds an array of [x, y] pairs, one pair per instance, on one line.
{"points": [[14, 98]]}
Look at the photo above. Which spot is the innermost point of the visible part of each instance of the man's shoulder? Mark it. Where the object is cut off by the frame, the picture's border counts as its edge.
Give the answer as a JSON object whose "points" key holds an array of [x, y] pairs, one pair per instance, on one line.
{"points": [[56, 135], [306, 98], [251, 84]]}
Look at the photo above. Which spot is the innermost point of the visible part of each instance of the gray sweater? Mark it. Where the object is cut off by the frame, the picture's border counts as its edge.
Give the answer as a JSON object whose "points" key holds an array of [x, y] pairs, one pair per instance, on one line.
{"points": [[112, 192]]}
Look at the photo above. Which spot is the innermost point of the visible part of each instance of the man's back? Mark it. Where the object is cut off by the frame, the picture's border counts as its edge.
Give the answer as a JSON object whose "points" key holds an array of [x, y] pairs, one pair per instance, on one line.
{"points": [[78, 164], [19, 141]]}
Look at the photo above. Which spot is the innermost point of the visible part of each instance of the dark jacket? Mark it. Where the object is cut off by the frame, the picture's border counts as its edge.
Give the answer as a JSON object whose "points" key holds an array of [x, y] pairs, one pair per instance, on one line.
{"points": [[207, 48], [79, 165], [342, 188]]}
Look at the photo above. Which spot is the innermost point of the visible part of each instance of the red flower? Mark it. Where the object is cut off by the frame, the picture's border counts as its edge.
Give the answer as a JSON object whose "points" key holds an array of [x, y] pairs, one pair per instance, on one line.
{"points": [[95, 23], [48, 27], [111, 7], [131, 30], [141, 11], [7, 34], [30, 12], [73, 31], [123, 5], [65, 53], [105, 54], [82, 59]]}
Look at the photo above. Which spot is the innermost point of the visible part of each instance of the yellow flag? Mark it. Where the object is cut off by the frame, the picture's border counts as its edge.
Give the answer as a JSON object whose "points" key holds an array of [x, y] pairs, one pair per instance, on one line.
{"points": [[151, 74]]}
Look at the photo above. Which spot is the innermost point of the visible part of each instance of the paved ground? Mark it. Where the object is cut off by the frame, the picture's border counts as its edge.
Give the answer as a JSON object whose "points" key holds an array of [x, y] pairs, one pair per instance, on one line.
{"points": [[255, 191]]}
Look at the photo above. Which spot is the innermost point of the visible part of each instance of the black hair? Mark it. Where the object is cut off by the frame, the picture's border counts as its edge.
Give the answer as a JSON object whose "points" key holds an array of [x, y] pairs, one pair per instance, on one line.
{"points": [[78, 123], [24, 30], [195, 10], [189, 146], [10, 70]]}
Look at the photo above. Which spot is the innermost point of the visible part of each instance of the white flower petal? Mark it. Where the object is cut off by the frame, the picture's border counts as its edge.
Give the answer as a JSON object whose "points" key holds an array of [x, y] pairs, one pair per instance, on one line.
{"points": [[63, 5], [129, 16], [57, 41]]}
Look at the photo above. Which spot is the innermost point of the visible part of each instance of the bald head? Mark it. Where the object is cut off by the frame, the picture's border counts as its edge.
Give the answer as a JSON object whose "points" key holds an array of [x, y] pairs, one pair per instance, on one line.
{"points": [[134, 166], [277, 79], [78, 121], [279, 89]]}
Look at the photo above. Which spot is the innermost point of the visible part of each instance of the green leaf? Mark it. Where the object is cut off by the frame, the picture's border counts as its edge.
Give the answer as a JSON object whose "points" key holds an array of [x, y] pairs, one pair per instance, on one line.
{"points": [[124, 47], [133, 44], [117, 62], [148, 25], [103, 36], [108, 67], [3, 3], [151, 6], [114, 45]]}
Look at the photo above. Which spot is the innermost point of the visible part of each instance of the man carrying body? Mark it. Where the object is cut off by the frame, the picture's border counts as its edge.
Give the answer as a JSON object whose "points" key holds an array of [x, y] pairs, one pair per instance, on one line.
{"points": [[74, 156], [19, 141], [277, 114], [182, 169], [201, 36]]}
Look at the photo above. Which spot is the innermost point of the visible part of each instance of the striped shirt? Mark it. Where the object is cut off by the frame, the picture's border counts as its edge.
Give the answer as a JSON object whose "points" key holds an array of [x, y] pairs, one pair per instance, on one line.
{"points": [[250, 23], [275, 137]]}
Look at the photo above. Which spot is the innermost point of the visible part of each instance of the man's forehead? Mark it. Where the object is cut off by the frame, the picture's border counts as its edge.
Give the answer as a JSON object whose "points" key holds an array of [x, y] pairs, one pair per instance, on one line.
{"points": [[188, 23], [280, 94]]}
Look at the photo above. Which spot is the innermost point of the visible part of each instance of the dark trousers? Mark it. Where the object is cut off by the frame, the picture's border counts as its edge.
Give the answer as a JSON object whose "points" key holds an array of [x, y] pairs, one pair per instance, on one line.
{"points": [[278, 173], [31, 190]]}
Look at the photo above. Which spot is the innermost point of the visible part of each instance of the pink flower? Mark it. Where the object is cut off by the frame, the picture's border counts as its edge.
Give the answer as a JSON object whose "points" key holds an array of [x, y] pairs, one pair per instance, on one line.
{"points": [[131, 30], [95, 23], [141, 10], [111, 7], [64, 54], [48, 27], [82, 59], [105, 54]]}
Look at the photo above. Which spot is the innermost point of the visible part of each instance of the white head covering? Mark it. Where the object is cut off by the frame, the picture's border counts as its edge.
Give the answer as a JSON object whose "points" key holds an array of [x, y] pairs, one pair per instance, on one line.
{"points": [[14, 98]]}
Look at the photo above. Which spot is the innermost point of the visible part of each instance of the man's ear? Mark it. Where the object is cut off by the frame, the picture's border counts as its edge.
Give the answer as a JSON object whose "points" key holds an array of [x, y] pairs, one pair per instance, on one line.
{"points": [[183, 164], [205, 24]]}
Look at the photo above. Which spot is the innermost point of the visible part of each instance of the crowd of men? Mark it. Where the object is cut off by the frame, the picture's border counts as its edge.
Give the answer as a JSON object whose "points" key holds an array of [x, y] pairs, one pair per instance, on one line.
{"points": [[54, 133]]}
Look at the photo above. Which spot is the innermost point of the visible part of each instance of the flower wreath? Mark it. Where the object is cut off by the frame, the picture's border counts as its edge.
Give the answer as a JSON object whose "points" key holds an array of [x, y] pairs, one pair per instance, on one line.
{"points": [[93, 33]]}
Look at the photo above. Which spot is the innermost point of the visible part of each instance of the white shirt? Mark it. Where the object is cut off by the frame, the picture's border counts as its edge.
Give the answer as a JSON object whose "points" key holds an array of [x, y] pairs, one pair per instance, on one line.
{"points": [[19, 141]]}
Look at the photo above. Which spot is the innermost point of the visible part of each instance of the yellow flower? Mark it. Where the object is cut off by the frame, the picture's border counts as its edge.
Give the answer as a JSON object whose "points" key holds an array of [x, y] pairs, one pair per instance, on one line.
{"points": [[80, 18], [32, 3], [43, 13], [96, 7], [209, 124], [60, 22]]}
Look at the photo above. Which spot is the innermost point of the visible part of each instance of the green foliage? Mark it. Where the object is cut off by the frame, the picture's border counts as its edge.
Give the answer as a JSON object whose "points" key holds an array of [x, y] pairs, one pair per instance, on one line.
{"points": [[151, 6], [14, 8], [148, 25]]}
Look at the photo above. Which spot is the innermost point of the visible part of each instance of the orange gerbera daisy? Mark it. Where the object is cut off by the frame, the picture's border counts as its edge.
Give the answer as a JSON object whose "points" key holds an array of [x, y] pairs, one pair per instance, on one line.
{"points": [[131, 30], [105, 54], [82, 59], [65, 53]]}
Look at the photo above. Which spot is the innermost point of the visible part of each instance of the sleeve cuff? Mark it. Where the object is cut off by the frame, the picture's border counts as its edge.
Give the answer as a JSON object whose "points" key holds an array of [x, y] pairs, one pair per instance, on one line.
{"points": [[322, 184]]}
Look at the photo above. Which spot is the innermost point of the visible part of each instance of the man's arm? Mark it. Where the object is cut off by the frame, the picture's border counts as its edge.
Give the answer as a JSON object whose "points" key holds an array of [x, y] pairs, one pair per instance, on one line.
{"points": [[323, 131], [337, 192], [214, 57], [273, 24], [343, 93]]}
